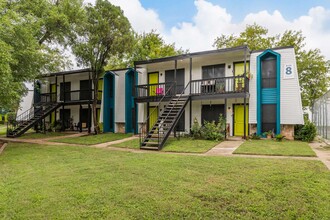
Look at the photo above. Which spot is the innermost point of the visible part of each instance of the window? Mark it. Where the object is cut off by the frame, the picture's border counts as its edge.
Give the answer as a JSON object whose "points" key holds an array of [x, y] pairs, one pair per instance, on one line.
{"points": [[268, 68], [214, 71], [211, 112], [268, 117]]}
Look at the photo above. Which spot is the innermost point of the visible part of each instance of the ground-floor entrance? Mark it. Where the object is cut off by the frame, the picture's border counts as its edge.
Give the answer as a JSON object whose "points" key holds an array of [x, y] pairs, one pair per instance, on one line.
{"points": [[239, 120]]}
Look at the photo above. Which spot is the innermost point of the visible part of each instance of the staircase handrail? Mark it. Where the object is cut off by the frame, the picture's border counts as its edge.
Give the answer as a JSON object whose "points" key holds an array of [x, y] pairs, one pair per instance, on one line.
{"points": [[27, 115], [178, 98], [160, 101]]}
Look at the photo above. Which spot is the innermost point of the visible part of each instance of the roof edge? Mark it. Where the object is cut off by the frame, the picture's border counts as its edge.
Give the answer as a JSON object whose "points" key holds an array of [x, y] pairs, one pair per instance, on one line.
{"points": [[189, 55]]}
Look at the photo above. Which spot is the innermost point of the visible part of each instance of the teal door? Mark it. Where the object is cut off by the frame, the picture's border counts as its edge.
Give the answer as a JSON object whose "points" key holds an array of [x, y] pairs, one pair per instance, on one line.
{"points": [[109, 103], [130, 106]]}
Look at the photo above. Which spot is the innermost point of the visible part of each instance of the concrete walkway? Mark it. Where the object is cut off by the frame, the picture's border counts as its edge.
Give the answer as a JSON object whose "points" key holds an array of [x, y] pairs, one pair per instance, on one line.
{"points": [[322, 154], [225, 148], [106, 144]]}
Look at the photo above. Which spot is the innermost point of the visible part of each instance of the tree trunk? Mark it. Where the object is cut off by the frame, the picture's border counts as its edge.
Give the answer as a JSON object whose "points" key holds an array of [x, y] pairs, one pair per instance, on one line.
{"points": [[95, 97]]}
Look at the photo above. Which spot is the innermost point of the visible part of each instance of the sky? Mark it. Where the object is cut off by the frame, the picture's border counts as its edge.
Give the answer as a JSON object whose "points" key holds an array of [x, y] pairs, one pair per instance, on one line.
{"points": [[194, 24]]}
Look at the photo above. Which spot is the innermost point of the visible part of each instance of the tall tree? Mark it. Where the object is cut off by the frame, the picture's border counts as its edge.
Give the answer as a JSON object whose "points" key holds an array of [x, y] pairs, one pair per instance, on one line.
{"points": [[30, 32], [313, 68], [105, 33], [145, 46]]}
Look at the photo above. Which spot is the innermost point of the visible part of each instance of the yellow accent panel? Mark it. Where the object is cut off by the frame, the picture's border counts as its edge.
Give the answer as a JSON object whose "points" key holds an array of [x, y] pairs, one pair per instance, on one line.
{"points": [[153, 79], [153, 116], [239, 70], [100, 88], [239, 120]]}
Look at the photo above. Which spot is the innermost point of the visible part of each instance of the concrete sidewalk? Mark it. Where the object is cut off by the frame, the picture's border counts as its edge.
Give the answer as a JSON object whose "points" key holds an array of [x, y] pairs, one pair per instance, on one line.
{"points": [[322, 154]]}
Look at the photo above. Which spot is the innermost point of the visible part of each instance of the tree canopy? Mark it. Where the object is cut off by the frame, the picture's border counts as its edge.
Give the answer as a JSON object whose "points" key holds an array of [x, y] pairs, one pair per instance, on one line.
{"points": [[29, 30], [104, 33], [312, 66], [145, 46]]}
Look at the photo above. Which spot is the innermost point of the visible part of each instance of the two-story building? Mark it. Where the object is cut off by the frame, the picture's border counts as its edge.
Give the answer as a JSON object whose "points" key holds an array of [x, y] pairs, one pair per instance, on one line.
{"points": [[256, 92]]}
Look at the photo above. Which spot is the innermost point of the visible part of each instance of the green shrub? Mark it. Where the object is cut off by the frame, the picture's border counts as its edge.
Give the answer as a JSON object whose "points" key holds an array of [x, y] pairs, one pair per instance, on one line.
{"points": [[254, 136], [279, 137], [213, 131], [195, 130], [305, 132]]}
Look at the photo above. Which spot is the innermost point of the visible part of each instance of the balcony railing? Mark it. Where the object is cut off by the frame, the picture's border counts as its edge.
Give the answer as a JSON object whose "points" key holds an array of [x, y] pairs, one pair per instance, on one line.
{"points": [[70, 96], [222, 85], [154, 90], [233, 84]]}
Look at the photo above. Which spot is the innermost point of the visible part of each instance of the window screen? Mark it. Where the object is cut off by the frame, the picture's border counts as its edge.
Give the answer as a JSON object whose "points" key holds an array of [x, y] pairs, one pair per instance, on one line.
{"points": [[215, 71], [268, 68], [211, 112], [268, 117]]}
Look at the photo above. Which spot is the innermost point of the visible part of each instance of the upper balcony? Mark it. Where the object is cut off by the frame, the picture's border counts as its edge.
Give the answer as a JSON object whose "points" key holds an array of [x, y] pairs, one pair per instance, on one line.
{"points": [[70, 97], [222, 87]]}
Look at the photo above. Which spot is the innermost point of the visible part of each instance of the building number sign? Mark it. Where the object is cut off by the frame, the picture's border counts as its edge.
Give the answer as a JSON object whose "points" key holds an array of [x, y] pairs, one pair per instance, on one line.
{"points": [[288, 71]]}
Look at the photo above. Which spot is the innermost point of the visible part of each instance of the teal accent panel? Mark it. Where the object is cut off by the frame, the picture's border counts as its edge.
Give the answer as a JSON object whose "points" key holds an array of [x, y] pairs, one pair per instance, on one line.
{"points": [[109, 102], [269, 96], [129, 101]]}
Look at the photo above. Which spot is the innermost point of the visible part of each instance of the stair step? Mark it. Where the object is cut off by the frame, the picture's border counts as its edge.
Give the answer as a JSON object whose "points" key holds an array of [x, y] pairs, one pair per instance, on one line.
{"points": [[151, 143], [148, 148]]}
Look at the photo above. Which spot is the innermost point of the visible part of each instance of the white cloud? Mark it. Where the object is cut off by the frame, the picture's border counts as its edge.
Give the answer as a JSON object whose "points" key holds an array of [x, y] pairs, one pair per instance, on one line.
{"points": [[212, 21]]}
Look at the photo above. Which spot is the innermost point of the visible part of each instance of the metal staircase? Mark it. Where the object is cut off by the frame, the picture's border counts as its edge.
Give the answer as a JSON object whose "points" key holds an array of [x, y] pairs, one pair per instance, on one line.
{"points": [[166, 122], [29, 118]]}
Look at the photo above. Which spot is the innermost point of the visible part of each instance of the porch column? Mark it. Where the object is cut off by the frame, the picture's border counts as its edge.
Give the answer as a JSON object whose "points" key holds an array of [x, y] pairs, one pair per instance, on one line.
{"points": [[89, 101], [148, 112], [244, 118], [225, 115], [245, 81], [80, 124], [63, 90], [190, 102], [135, 117], [175, 67], [55, 96]]}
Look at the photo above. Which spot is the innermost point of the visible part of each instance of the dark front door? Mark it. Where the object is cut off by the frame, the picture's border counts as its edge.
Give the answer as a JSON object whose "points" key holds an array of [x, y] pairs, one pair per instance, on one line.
{"points": [[65, 88], [180, 126], [85, 93], [65, 115], [211, 112], [169, 77], [85, 117]]}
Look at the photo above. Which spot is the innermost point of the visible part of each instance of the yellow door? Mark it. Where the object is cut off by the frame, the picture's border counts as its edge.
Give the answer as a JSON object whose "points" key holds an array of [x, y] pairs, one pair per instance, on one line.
{"points": [[153, 79], [53, 97], [100, 89], [153, 111], [239, 71], [239, 120]]}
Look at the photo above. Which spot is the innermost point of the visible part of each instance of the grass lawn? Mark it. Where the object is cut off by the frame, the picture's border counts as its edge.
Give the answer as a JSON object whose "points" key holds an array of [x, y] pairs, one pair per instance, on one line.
{"points": [[34, 135], [93, 139], [176, 145], [271, 147], [58, 182]]}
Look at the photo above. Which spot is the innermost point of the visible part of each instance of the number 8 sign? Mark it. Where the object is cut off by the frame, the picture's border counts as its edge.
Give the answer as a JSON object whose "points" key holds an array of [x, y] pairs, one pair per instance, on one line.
{"points": [[288, 71]]}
